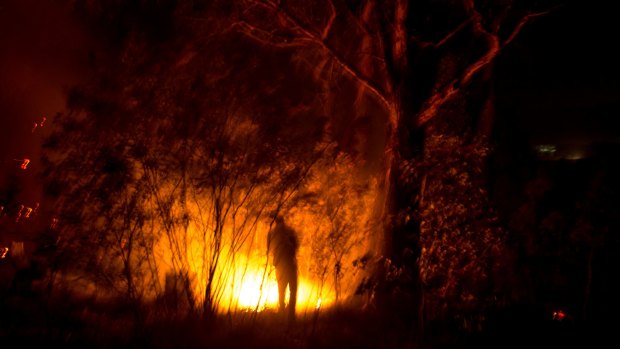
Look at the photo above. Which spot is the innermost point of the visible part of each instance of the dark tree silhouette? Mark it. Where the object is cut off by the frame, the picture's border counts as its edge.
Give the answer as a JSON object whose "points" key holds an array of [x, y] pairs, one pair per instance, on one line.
{"points": [[226, 106], [426, 67]]}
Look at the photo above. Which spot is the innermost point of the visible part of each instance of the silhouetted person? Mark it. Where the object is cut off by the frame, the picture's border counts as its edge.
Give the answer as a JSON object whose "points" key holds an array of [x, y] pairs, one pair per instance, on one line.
{"points": [[282, 243]]}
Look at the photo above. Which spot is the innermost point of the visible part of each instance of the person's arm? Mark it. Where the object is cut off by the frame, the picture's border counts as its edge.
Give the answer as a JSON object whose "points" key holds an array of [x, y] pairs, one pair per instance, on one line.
{"points": [[269, 238]]}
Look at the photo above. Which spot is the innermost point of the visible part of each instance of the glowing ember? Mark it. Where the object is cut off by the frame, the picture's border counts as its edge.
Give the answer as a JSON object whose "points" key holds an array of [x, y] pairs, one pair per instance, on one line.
{"points": [[19, 213], [35, 125], [318, 304], [54, 223], [559, 315], [3, 252], [24, 163]]}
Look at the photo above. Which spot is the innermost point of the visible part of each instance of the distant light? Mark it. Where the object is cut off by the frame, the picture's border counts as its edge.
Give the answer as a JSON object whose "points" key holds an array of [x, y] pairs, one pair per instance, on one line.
{"points": [[546, 149], [559, 315]]}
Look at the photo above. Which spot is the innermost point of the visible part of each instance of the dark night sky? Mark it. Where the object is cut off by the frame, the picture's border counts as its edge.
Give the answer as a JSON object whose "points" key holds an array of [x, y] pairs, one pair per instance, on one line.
{"points": [[42, 51], [560, 81]]}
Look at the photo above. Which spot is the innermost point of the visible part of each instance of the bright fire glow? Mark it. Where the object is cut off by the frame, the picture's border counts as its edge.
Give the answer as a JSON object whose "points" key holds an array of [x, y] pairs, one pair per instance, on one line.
{"points": [[251, 288], [245, 282], [243, 279], [248, 292]]}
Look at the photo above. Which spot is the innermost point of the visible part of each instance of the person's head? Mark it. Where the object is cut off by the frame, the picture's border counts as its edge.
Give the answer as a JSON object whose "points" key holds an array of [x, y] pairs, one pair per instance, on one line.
{"points": [[276, 217], [279, 219]]}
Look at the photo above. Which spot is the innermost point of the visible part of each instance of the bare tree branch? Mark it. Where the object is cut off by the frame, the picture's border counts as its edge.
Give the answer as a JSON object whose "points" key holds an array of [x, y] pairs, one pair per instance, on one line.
{"points": [[524, 21], [330, 22], [263, 36], [311, 37], [399, 35], [432, 106], [452, 33]]}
